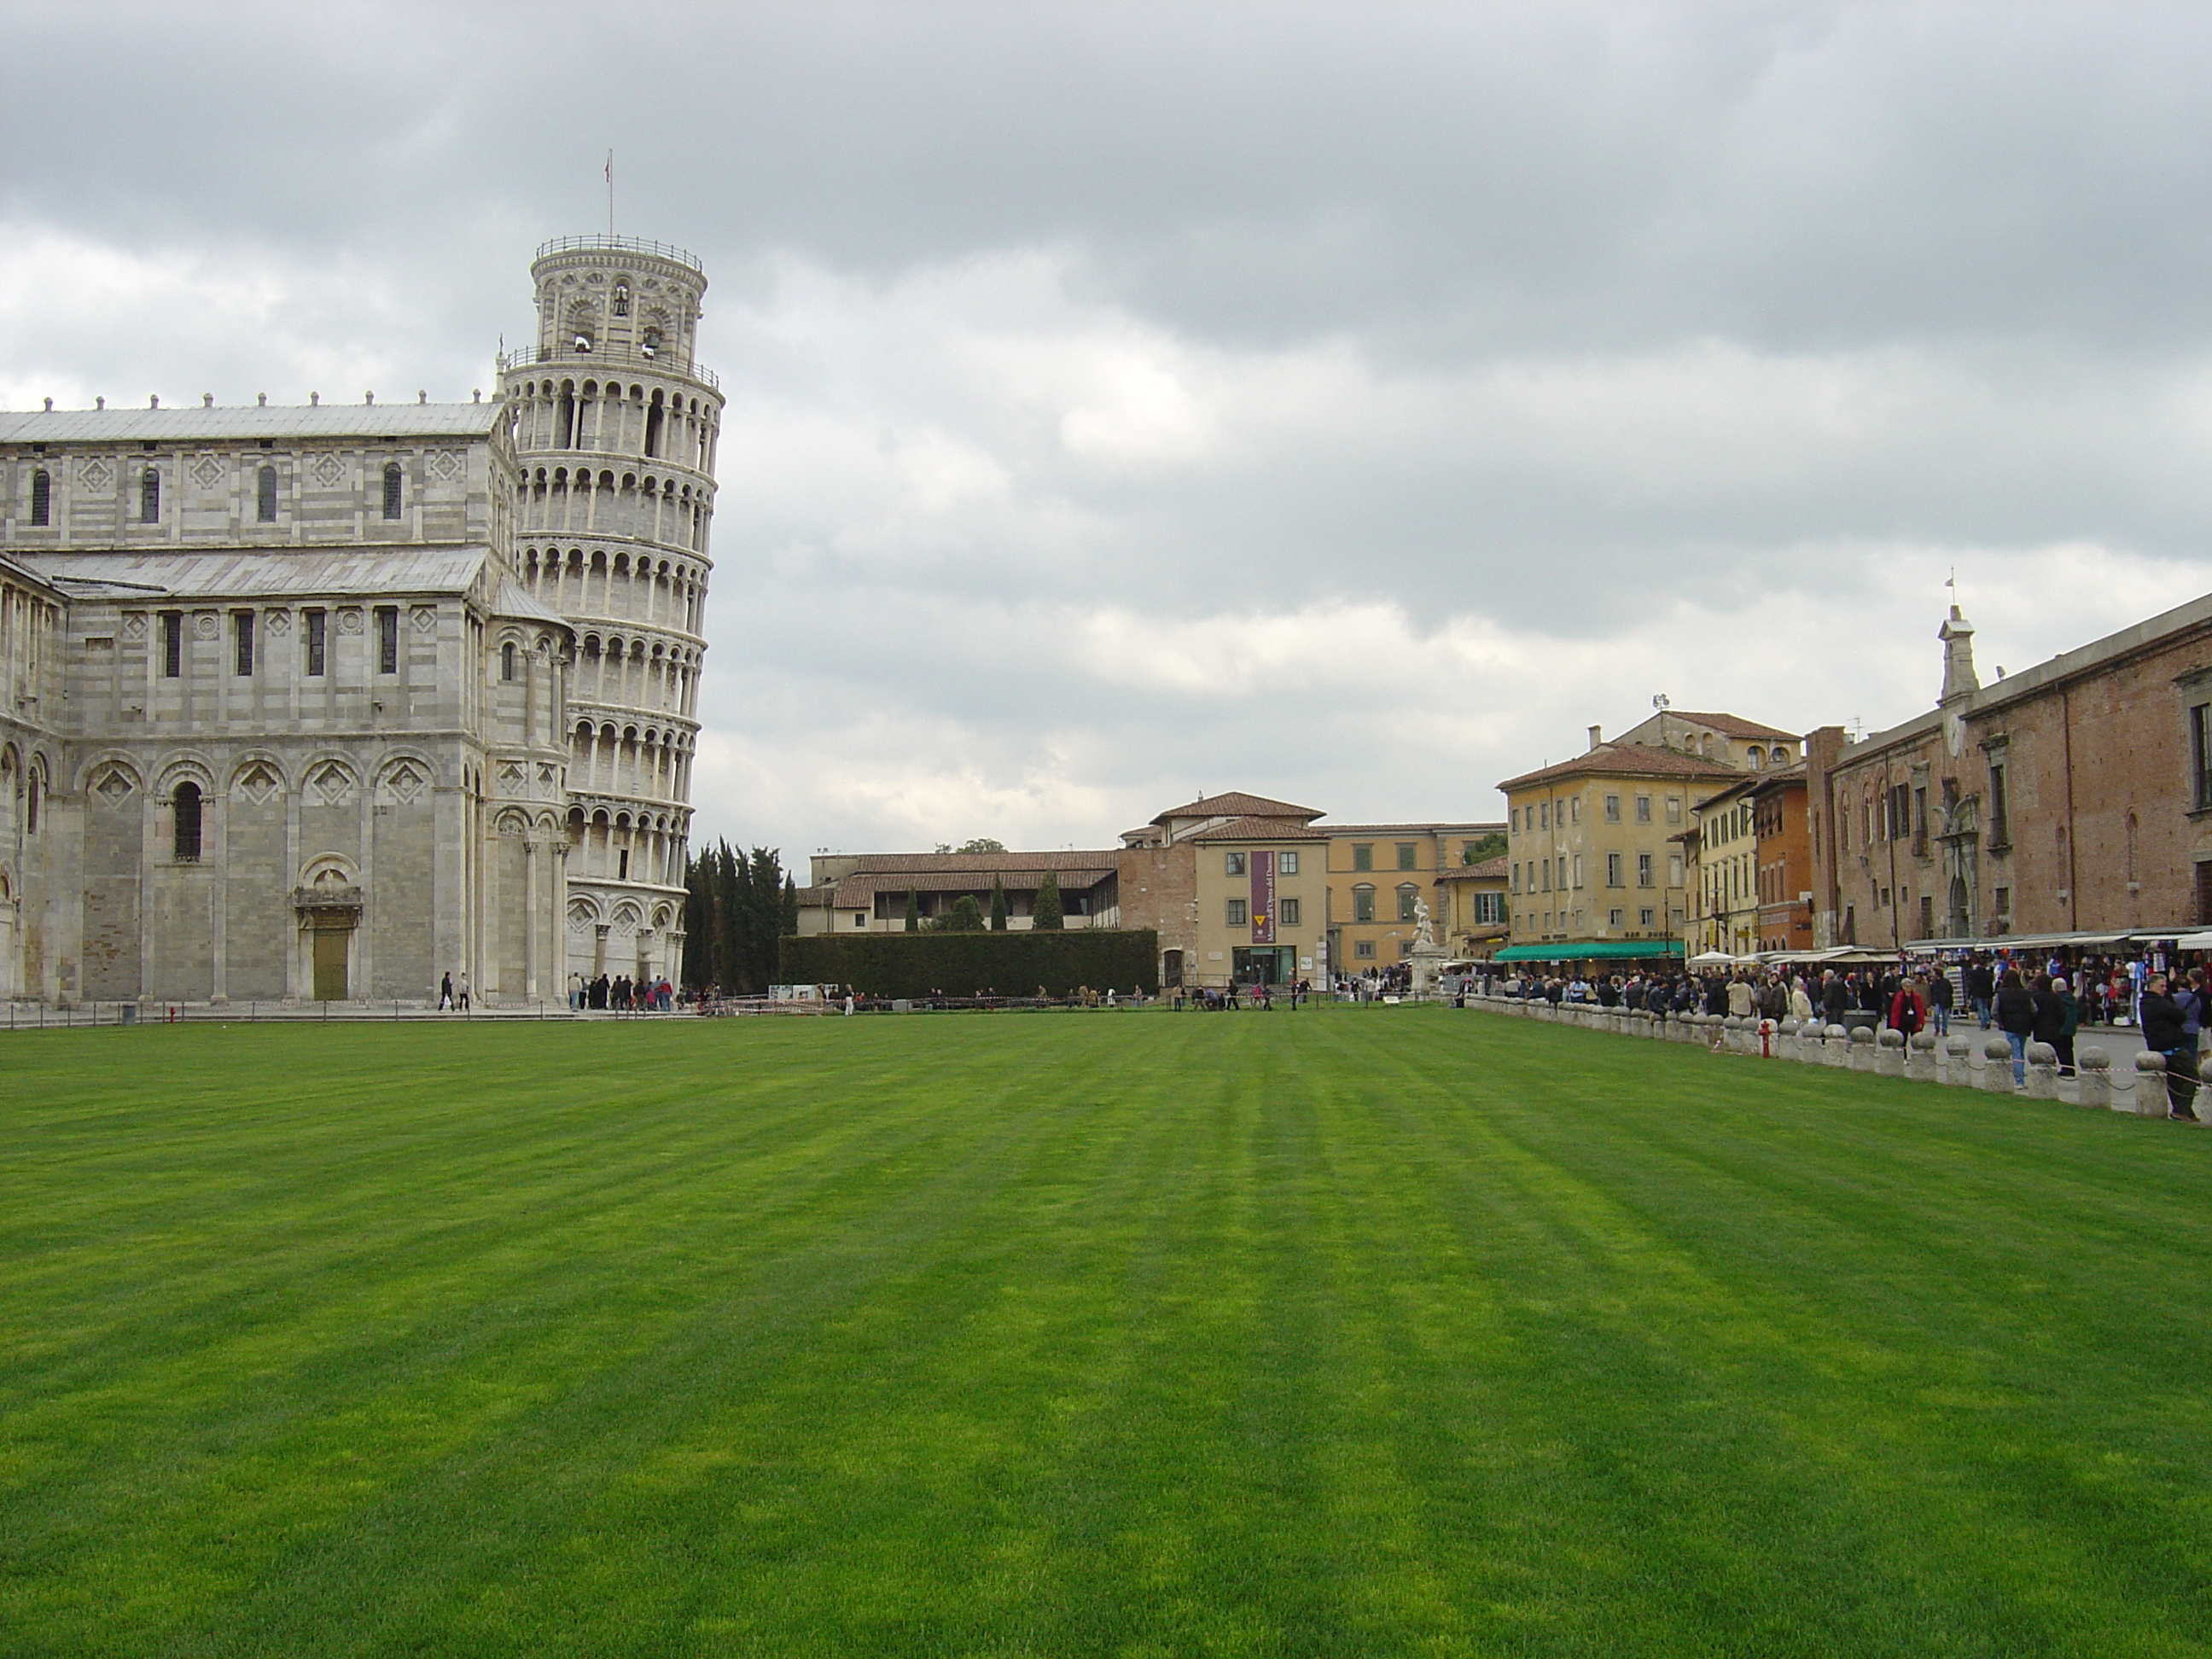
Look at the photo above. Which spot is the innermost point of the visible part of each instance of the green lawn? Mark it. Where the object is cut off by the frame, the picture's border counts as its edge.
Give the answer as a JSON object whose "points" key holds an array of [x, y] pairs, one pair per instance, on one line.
{"points": [[1351, 1332]]}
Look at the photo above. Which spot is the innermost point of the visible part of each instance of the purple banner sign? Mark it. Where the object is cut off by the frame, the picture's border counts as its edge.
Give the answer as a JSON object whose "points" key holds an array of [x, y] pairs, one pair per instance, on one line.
{"points": [[1263, 898]]}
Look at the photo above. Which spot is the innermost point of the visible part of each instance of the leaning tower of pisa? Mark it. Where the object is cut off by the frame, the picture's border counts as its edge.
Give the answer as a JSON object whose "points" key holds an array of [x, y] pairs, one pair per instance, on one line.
{"points": [[615, 426]]}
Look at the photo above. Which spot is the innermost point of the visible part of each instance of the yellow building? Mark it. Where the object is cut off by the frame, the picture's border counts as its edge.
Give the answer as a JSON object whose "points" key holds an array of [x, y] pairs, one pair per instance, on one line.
{"points": [[1590, 858], [1473, 909], [1260, 900], [1378, 873], [1722, 909]]}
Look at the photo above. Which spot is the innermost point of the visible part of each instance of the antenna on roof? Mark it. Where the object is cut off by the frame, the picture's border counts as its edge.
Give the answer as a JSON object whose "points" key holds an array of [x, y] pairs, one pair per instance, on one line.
{"points": [[1660, 700]]}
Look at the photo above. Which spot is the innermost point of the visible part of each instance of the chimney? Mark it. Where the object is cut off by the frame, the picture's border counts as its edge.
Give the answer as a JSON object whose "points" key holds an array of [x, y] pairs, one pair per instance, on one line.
{"points": [[1959, 677], [1597, 736]]}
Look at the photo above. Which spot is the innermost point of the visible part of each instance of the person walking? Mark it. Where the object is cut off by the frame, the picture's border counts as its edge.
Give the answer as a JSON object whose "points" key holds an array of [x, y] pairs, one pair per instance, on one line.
{"points": [[445, 993], [461, 992], [2014, 1010], [576, 991], [2069, 1022], [1908, 1009], [1981, 989], [2162, 1031], [1940, 996], [2050, 1011], [1835, 998]]}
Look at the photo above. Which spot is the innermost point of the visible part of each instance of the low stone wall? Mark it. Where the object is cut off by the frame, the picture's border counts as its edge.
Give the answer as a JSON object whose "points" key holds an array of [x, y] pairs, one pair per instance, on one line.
{"points": [[1975, 1060]]}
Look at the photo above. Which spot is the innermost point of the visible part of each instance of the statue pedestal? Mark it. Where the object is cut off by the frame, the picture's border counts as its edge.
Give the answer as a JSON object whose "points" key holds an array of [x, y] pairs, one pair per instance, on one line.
{"points": [[1426, 963]]}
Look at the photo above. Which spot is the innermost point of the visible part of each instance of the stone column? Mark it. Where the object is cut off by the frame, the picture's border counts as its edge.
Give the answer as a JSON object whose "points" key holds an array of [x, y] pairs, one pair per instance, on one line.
{"points": [[1997, 1066], [1920, 1057], [2042, 1072], [1889, 1052], [2150, 1084], [2120, 1089], [2094, 1066], [1836, 1046], [1859, 1040], [1957, 1063]]}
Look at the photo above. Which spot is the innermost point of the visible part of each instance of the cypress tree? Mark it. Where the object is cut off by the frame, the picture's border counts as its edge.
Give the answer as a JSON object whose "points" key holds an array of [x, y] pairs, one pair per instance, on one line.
{"points": [[912, 911], [998, 905], [967, 916], [1047, 913], [788, 913]]}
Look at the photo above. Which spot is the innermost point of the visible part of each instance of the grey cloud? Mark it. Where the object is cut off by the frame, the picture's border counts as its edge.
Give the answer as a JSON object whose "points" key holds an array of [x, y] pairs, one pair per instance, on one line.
{"points": [[1559, 319]]}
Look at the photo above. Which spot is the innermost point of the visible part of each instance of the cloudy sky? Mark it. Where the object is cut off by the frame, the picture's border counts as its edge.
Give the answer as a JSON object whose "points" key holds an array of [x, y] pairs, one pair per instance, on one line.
{"points": [[1348, 403]]}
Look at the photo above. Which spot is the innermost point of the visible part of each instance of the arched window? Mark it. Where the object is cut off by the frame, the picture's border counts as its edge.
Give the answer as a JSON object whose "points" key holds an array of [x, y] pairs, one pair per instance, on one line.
{"points": [[507, 660], [149, 496], [1363, 902], [1781, 756], [1756, 755], [1408, 897], [622, 298], [31, 812], [187, 805], [392, 489], [42, 497], [264, 495]]}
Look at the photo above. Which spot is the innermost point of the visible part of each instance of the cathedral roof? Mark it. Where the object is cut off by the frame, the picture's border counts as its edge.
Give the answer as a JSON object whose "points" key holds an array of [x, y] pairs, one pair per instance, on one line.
{"points": [[201, 425], [235, 574]]}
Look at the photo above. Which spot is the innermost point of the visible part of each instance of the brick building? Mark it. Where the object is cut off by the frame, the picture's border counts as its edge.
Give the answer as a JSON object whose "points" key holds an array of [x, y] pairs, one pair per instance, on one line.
{"points": [[2075, 797]]}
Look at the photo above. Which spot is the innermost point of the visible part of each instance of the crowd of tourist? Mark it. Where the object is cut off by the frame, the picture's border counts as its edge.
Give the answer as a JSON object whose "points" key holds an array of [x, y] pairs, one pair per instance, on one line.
{"points": [[2025, 1002], [620, 994]]}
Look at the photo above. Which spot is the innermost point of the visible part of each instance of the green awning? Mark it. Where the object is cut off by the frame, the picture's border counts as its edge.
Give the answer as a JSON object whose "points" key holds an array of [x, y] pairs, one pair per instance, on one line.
{"points": [[1594, 950]]}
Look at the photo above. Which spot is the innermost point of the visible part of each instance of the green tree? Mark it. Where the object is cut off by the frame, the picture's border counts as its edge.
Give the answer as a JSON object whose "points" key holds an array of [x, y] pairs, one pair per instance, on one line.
{"points": [[966, 916], [912, 911], [736, 906], [998, 905], [1047, 913], [1489, 847], [982, 844]]}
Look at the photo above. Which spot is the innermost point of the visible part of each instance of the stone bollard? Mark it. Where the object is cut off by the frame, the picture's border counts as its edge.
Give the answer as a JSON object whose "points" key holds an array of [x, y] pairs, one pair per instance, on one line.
{"points": [[1889, 1052], [2042, 1072], [1920, 1056], [2094, 1067], [1859, 1047], [1997, 1066], [1785, 1039], [2150, 1085], [1731, 1035], [1836, 1046], [1957, 1063]]}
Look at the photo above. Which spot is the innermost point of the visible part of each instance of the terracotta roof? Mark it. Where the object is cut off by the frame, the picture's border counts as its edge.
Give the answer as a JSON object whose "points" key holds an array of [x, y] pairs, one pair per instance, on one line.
{"points": [[1733, 725], [1260, 829], [1237, 804], [1488, 870], [986, 864], [1493, 828], [1627, 760]]}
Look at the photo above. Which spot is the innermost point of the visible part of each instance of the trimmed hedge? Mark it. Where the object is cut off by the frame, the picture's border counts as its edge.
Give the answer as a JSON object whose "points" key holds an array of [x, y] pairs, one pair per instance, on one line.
{"points": [[967, 964]]}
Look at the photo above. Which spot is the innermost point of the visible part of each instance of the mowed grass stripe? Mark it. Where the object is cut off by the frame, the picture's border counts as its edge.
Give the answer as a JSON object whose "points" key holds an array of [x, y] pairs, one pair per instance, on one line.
{"points": [[1374, 1330]]}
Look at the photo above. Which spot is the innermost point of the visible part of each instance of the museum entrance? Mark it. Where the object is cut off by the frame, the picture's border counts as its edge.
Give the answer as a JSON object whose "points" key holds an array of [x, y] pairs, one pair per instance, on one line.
{"points": [[1263, 965]]}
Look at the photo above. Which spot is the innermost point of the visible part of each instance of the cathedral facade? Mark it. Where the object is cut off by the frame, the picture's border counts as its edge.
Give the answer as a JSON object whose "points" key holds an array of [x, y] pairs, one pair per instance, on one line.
{"points": [[327, 703]]}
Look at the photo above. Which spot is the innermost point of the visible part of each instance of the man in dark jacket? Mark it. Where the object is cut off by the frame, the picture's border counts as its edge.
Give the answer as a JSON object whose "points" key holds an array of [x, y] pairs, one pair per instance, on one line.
{"points": [[1835, 998], [1981, 989], [2162, 1021], [2015, 1016], [1939, 1001]]}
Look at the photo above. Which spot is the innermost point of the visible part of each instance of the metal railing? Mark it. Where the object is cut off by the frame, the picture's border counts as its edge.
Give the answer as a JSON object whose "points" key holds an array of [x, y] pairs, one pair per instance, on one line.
{"points": [[674, 363], [619, 245]]}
